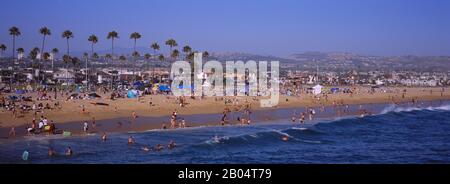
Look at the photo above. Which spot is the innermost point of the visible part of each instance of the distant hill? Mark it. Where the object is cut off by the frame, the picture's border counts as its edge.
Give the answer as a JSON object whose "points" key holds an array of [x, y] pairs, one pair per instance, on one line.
{"points": [[333, 61]]}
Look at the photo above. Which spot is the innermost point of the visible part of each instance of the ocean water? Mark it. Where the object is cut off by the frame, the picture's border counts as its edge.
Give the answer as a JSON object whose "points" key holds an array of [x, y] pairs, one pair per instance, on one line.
{"points": [[396, 135]]}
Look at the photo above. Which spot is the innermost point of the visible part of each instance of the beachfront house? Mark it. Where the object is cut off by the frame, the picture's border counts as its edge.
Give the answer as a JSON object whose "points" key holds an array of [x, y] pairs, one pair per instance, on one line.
{"points": [[64, 76]]}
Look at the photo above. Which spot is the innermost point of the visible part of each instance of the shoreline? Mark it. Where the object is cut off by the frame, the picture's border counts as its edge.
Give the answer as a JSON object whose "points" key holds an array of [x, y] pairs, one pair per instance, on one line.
{"points": [[260, 116]]}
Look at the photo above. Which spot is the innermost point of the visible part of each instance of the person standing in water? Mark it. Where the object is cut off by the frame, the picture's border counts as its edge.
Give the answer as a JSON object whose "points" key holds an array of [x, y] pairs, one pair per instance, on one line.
{"points": [[51, 152], [93, 122], [12, 132], [85, 126], [104, 137], [302, 118], [69, 151], [134, 115], [183, 123]]}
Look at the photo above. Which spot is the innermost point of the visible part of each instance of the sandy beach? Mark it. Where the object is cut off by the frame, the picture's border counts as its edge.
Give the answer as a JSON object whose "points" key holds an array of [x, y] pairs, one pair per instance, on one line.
{"points": [[153, 115]]}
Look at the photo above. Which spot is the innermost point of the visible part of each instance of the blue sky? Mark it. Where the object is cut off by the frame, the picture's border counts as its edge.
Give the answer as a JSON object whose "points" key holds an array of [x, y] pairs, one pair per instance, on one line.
{"points": [[268, 27]]}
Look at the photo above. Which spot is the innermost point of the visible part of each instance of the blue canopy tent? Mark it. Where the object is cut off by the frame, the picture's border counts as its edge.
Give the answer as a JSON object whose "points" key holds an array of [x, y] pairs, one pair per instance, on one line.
{"points": [[334, 90], [164, 87], [132, 94], [138, 85], [20, 92]]}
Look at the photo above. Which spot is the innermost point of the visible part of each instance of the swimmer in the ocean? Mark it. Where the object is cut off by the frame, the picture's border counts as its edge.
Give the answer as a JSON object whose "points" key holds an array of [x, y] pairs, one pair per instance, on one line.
{"points": [[104, 137], [51, 152], [145, 148], [69, 151], [130, 140], [158, 147], [171, 145]]}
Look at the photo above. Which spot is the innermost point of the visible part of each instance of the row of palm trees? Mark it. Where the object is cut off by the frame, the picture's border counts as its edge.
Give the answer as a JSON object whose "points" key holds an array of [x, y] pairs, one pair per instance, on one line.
{"points": [[93, 39], [113, 35]]}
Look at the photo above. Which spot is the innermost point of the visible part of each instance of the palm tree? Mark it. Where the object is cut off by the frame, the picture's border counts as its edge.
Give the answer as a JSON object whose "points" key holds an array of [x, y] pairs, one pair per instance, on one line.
{"points": [[44, 32], [86, 58], [135, 55], [122, 58], [108, 56], [187, 50], [75, 62], [135, 36], [155, 47], [46, 56], [20, 50], [190, 56], [85, 55], [95, 56], [171, 43], [175, 54], [2, 48], [34, 52], [55, 51], [33, 55], [147, 57], [14, 32], [93, 39], [67, 35], [205, 54], [66, 60], [112, 35], [161, 57]]}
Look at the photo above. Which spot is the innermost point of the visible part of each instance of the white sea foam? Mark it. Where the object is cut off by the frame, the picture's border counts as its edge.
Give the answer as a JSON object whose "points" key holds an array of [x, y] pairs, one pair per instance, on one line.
{"points": [[393, 108]]}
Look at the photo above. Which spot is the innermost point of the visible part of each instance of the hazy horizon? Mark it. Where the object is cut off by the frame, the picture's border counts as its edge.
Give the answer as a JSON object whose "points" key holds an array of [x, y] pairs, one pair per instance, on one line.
{"points": [[277, 28]]}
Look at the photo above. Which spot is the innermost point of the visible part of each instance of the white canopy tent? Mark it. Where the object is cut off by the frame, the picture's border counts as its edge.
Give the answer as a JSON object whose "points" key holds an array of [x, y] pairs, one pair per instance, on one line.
{"points": [[317, 89]]}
